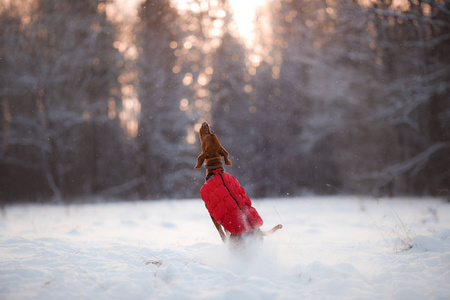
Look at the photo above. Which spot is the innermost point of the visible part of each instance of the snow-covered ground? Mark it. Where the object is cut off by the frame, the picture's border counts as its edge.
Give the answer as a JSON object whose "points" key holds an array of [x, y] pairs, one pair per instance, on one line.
{"points": [[329, 248]]}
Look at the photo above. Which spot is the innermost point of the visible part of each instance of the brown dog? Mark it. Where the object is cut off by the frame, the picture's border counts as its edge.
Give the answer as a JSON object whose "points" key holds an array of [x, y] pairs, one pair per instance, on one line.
{"points": [[212, 152]]}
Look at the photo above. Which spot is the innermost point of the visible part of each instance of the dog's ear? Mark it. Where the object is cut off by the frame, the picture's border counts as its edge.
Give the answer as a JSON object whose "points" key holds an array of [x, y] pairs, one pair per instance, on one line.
{"points": [[200, 160], [227, 161], [224, 153]]}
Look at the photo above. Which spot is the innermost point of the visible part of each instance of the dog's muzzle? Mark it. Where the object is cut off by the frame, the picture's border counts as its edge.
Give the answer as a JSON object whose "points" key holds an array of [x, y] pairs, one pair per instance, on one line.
{"points": [[206, 127]]}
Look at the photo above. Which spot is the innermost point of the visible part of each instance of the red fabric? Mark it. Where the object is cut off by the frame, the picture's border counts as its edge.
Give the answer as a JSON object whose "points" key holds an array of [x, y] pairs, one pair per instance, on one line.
{"points": [[228, 203]]}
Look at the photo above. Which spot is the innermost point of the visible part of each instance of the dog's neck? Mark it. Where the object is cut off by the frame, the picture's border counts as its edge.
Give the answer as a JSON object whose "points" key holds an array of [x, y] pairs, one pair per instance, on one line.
{"points": [[210, 169], [210, 173]]}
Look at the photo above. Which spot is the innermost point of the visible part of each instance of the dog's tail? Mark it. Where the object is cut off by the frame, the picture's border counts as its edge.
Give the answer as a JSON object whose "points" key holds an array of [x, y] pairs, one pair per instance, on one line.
{"points": [[272, 231]]}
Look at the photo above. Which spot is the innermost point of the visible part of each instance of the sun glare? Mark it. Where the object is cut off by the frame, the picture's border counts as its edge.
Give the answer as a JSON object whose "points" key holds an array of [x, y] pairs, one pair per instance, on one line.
{"points": [[125, 13], [253, 26], [398, 5], [244, 15], [204, 23]]}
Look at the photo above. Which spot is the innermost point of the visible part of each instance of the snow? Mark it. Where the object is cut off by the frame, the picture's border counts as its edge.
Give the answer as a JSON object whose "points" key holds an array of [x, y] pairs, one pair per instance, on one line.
{"points": [[329, 248]]}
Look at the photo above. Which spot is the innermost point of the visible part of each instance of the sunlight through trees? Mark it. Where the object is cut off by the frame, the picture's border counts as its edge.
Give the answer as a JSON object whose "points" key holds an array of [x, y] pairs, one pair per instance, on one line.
{"points": [[105, 98]]}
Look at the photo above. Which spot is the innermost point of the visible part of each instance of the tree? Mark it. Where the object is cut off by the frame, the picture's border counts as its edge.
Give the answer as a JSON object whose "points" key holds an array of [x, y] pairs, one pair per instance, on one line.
{"points": [[164, 158], [415, 87], [60, 94]]}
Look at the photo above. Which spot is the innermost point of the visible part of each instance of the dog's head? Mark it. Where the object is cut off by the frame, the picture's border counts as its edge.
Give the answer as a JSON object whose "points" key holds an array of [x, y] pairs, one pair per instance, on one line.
{"points": [[212, 150], [210, 142]]}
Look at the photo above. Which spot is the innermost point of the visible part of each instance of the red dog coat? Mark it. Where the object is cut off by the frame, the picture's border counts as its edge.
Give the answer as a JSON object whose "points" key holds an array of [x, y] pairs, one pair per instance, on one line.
{"points": [[228, 203]]}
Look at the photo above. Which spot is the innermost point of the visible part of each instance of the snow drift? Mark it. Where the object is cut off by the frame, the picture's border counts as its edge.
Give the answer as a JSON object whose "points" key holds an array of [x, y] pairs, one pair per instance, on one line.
{"points": [[339, 248]]}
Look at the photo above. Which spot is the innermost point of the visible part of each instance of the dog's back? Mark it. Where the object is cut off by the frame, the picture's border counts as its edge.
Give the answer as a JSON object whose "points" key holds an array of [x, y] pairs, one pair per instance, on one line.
{"points": [[228, 203]]}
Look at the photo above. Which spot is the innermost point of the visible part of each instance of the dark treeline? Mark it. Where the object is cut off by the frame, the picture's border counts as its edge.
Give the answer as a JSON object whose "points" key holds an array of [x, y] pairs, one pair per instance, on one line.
{"points": [[343, 98]]}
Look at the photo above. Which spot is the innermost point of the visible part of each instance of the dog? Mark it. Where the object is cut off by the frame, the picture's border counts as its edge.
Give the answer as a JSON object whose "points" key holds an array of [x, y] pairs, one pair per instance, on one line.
{"points": [[226, 201]]}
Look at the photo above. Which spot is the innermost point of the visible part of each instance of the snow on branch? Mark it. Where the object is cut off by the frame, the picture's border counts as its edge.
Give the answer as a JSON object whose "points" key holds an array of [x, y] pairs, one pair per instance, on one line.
{"points": [[438, 5], [416, 160], [390, 173], [408, 16]]}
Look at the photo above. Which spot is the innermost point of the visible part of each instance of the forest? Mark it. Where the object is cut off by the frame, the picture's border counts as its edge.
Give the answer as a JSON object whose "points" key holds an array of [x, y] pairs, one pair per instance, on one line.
{"points": [[309, 97]]}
